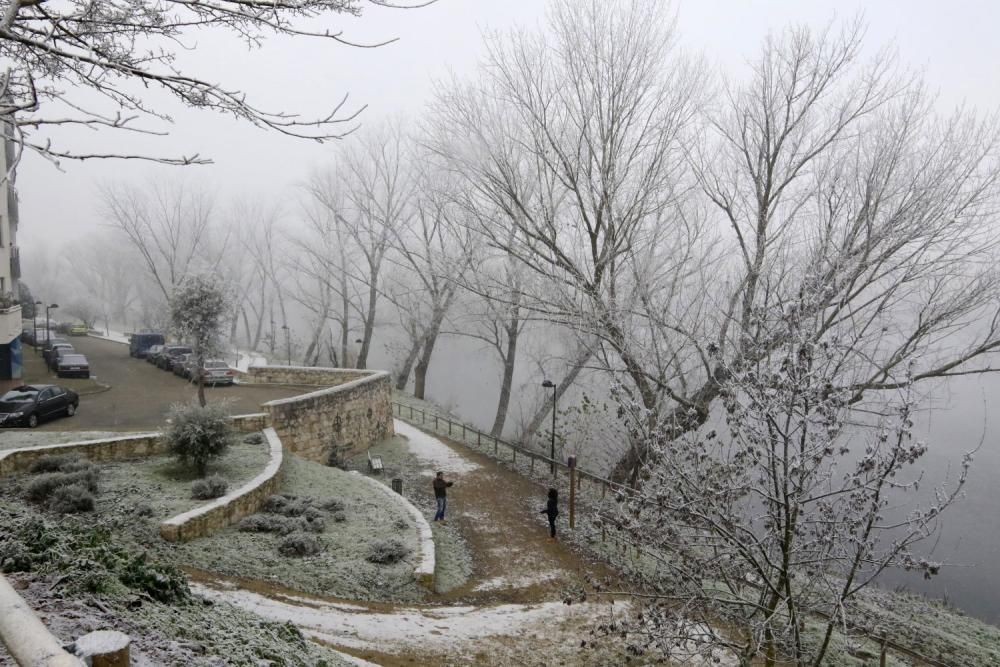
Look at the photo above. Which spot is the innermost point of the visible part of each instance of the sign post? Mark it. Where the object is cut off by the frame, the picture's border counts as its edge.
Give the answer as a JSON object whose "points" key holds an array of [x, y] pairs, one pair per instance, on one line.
{"points": [[572, 492]]}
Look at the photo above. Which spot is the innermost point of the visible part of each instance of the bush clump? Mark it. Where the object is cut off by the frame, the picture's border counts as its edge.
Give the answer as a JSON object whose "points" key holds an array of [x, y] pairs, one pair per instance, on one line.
{"points": [[59, 463], [298, 545], [387, 552], [71, 499], [269, 523], [287, 505], [333, 505], [339, 517], [254, 439], [198, 435], [214, 486], [315, 525], [44, 485]]}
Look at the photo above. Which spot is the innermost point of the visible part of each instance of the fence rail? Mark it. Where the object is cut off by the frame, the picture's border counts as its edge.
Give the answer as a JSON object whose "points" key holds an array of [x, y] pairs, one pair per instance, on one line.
{"points": [[441, 424]]}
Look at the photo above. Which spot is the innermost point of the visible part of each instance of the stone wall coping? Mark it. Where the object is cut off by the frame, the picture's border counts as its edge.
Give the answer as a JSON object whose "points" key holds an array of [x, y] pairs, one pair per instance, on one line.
{"points": [[347, 386], [317, 369], [251, 415], [424, 572], [6, 453], [272, 468], [27, 639]]}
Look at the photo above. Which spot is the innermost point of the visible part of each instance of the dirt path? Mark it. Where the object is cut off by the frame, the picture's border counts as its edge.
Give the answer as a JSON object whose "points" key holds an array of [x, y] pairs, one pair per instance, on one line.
{"points": [[510, 610]]}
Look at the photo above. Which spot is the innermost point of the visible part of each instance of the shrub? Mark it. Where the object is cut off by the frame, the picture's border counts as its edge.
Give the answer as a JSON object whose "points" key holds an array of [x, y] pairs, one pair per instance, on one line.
{"points": [[400, 524], [339, 517], [388, 552], [58, 463], [254, 439], [161, 582], [269, 523], [333, 505], [198, 435], [209, 487], [312, 513], [71, 499], [143, 509], [43, 486], [316, 525], [287, 505], [300, 544]]}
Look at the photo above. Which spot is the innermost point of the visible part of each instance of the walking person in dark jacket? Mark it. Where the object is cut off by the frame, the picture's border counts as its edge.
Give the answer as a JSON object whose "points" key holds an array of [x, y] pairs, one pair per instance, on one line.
{"points": [[552, 511], [441, 495]]}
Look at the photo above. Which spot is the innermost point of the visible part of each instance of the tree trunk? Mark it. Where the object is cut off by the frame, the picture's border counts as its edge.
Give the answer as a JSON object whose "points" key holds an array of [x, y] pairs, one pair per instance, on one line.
{"points": [[404, 372], [201, 381], [508, 377], [420, 370], [366, 338]]}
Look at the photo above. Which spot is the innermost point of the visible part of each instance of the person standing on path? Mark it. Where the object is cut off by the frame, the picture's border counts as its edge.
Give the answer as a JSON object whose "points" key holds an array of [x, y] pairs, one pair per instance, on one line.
{"points": [[552, 511], [441, 495]]}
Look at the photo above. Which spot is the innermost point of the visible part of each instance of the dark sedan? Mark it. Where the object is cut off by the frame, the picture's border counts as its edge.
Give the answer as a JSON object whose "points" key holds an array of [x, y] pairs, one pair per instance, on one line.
{"points": [[28, 405], [73, 366], [165, 360]]}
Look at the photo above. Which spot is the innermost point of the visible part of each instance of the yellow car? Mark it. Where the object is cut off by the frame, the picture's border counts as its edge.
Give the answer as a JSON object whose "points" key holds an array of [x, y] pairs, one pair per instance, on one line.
{"points": [[78, 330]]}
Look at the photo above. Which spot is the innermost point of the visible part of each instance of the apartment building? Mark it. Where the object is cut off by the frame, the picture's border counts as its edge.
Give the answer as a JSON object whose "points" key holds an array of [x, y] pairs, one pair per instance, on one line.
{"points": [[10, 271]]}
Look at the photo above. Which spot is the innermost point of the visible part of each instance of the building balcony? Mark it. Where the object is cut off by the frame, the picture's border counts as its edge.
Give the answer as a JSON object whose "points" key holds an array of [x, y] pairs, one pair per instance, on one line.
{"points": [[10, 320]]}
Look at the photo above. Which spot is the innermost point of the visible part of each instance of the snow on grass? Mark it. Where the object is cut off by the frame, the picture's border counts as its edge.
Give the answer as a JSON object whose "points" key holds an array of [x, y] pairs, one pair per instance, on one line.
{"points": [[433, 452], [341, 568], [522, 580]]}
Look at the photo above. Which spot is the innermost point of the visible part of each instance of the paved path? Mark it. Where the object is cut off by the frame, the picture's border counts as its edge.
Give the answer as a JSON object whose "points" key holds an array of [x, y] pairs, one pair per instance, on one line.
{"points": [[141, 394]]}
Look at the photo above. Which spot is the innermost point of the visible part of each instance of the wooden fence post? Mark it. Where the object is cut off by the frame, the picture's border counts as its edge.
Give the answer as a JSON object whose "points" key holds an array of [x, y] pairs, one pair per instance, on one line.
{"points": [[882, 655]]}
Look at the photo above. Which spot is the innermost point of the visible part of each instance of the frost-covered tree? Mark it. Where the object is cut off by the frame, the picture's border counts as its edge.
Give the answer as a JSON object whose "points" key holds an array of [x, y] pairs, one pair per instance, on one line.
{"points": [[96, 65], [761, 532], [199, 307]]}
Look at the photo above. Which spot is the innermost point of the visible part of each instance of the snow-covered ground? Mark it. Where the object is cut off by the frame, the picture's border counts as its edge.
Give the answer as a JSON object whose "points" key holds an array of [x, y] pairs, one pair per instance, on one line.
{"points": [[432, 451], [17, 439], [406, 628]]}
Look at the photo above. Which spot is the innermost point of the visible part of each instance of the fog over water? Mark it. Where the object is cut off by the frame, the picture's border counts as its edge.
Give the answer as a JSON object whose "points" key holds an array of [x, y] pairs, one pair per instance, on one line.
{"points": [[955, 47]]}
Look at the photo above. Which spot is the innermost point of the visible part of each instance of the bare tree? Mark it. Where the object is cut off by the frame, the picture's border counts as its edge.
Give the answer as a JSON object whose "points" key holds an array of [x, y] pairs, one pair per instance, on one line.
{"points": [[762, 533], [86, 64], [819, 169]]}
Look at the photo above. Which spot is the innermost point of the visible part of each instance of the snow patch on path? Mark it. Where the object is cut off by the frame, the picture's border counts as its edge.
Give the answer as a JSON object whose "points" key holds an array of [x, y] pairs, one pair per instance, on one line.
{"points": [[432, 451], [438, 628]]}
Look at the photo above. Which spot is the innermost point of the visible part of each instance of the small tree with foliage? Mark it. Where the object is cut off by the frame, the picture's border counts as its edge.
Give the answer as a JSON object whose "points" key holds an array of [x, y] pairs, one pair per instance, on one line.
{"points": [[198, 434], [198, 311]]}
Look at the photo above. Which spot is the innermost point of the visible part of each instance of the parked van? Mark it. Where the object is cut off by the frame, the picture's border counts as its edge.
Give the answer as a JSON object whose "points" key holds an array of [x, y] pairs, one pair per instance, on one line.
{"points": [[139, 343]]}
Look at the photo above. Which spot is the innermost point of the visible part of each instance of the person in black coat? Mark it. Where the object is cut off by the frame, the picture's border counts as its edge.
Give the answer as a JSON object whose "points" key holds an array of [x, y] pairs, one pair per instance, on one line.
{"points": [[552, 511]]}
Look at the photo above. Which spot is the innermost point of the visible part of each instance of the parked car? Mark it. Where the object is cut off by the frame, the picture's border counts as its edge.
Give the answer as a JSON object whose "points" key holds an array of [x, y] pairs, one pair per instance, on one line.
{"points": [[215, 371], [52, 354], [79, 330], [179, 365], [152, 353], [165, 358], [72, 365], [28, 405], [140, 343]]}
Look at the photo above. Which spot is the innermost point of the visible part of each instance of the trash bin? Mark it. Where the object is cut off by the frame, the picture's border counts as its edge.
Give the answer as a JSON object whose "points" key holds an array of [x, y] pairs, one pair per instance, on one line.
{"points": [[397, 485]]}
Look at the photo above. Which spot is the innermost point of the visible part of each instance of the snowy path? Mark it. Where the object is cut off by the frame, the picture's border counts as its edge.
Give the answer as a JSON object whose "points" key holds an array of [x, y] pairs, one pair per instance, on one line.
{"points": [[512, 607]]}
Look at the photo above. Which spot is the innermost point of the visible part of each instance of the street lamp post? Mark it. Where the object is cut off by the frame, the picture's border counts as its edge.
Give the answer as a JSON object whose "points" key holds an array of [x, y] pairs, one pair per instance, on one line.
{"points": [[288, 343], [552, 447], [34, 325], [47, 309]]}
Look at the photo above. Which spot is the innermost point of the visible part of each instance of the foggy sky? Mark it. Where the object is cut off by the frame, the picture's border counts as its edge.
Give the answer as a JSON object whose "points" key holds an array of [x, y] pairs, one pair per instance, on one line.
{"points": [[954, 45]]}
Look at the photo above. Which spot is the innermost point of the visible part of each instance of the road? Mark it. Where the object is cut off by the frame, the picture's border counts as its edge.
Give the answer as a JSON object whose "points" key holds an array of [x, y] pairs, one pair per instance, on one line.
{"points": [[141, 394]]}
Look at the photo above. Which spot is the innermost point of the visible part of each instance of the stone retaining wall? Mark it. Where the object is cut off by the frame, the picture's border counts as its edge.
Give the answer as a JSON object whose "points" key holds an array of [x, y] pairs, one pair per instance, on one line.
{"points": [[232, 507], [424, 572], [106, 449], [301, 375], [347, 418], [251, 423]]}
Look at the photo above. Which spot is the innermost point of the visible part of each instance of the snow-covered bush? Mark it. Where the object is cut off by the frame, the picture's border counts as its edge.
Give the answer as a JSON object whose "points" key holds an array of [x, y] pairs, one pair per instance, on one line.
{"points": [[300, 544], [339, 517], [210, 487], [268, 523], [287, 505], [71, 499], [58, 463], [198, 435], [333, 505], [315, 524], [42, 487], [254, 439], [388, 552], [198, 310]]}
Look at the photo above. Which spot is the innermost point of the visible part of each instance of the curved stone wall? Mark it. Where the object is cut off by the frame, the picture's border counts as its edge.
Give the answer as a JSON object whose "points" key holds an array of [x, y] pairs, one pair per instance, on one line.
{"points": [[346, 418], [232, 507]]}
